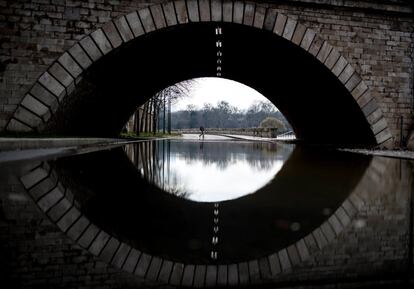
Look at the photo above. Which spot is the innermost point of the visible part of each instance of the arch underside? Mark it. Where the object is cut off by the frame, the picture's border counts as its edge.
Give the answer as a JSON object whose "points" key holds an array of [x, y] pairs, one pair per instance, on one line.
{"points": [[94, 87]]}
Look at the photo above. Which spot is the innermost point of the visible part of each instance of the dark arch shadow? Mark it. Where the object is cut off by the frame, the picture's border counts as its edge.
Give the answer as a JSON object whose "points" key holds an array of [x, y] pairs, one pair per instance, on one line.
{"points": [[314, 101]]}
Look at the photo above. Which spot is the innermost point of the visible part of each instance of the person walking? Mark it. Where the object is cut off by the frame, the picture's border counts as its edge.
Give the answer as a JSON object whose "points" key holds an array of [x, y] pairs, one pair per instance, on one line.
{"points": [[202, 132]]}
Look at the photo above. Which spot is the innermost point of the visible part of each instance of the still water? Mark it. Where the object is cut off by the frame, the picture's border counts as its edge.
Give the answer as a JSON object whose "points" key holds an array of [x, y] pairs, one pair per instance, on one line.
{"points": [[210, 171], [227, 202]]}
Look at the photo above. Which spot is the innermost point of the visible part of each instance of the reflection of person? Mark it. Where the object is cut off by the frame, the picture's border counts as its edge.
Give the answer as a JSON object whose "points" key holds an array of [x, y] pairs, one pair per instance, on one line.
{"points": [[202, 132]]}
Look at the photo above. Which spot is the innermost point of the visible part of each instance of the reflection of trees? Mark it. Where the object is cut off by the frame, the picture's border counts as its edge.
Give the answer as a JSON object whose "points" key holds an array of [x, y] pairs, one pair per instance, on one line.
{"points": [[153, 158], [260, 156]]}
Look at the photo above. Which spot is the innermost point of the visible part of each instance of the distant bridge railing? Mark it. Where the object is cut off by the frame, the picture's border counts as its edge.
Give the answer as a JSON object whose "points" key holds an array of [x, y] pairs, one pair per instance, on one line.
{"points": [[257, 132], [290, 135]]}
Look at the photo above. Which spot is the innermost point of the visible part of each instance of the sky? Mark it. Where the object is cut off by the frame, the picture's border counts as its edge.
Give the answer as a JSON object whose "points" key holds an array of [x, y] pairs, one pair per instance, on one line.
{"points": [[212, 90]]}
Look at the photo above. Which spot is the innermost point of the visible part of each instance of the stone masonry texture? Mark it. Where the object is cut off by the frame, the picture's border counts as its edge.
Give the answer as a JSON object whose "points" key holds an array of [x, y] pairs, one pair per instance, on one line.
{"points": [[376, 39]]}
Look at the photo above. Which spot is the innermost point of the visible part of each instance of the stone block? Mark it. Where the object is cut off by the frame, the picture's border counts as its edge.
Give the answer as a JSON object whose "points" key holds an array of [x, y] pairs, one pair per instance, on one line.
{"points": [[143, 265], [70, 65], [346, 73], [59, 73], [123, 28], [44, 96], [99, 243], [154, 269], [109, 251], [169, 12], [181, 11], [120, 256], [302, 250], [375, 116], [254, 272], [32, 104], [289, 29], [80, 55], [293, 255], [204, 10], [135, 24], [101, 41], [274, 264], [165, 272], [356, 201], [88, 236], [51, 84], [91, 49], [380, 125], [176, 274], [216, 10], [311, 243], [324, 52], [349, 208], [233, 275], [319, 238], [17, 126], [353, 82], [327, 232], [280, 24], [259, 17], [336, 224], [188, 276], [193, 14], [57, 211], [51, 199], [270, 19], [365, 98], [383, 136], [299, 33], [316, 45], [227, 11], [370, 107], [158, 16], [78, 228], [68, 219], [307, 39], [359, 90], [199, 276], [248, 18], [243, 273], [339, 66], [342, 216], [284, 260], [264, 268], [34, 177], [27, 117], [332, 58], [211, 276], [222, 275], [131, 261]]}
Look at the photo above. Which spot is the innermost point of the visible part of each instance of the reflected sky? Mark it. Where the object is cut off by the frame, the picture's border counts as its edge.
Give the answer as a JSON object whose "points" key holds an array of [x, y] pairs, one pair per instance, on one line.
{"points": [[209, 171]]}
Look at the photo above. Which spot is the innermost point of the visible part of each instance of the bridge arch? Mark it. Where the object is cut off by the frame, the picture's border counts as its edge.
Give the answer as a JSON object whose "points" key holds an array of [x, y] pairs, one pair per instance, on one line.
{"points": [[64, 76]]}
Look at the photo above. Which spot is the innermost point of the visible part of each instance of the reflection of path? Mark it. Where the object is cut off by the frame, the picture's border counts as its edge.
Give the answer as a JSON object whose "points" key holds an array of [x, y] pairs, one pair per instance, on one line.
{"points": [[207, 137], [57, 202]]}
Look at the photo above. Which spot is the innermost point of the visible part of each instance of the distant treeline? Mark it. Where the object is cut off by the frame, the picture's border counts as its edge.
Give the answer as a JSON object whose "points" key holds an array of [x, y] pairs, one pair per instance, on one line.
{"points": [[224, 115]]}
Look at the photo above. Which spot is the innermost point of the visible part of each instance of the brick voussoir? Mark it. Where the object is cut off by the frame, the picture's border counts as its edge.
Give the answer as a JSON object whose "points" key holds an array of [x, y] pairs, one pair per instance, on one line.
{"points": [[146, 20], [205, 10], [158, 16], [192, 8]]}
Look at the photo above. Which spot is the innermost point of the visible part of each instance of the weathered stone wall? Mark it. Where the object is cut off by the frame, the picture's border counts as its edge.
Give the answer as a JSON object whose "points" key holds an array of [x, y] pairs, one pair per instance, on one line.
{"points": [[376, 38]]}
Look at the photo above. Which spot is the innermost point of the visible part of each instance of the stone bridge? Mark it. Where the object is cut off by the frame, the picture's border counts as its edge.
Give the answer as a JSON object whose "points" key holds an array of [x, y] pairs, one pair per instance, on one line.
{"points": [[340, 71]]}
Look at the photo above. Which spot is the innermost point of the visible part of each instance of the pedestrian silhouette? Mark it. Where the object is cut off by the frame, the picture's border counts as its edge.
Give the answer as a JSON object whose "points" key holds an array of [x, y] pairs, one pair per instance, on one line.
{"points": [[202, 132]]}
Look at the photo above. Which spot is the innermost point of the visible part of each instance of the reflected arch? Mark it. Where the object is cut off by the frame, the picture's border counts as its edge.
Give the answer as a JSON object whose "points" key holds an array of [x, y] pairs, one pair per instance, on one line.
{"points": [[95, 86]]}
